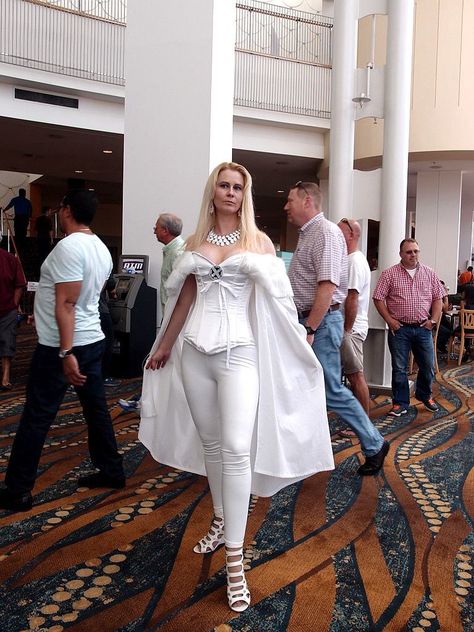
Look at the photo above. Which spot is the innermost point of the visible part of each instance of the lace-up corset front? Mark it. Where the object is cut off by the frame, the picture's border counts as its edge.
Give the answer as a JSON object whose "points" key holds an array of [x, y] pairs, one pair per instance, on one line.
{"points": [[219, 319]]}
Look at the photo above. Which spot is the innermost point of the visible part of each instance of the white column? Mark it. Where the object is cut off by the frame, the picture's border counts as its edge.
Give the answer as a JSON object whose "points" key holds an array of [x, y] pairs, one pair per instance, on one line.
{"points": [[178, 113], [341, 142], [438, 216], [396, 129], [394, 173]]}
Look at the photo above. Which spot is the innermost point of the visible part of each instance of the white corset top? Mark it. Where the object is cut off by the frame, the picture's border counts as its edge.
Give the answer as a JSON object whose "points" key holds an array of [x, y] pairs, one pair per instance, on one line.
{"points": [[219, 319]]}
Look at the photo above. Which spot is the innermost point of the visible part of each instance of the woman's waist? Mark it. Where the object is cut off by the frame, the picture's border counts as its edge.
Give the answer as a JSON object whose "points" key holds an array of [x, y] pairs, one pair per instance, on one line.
{"points": [[218, 330], [213, 346]]}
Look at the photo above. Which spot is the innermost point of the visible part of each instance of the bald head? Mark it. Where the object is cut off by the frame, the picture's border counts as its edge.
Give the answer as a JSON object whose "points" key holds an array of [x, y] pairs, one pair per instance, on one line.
{"points": [[351, 230]]}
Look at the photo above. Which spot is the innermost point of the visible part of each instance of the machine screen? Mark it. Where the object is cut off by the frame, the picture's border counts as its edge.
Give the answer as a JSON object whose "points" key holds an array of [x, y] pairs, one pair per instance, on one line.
{"points": [[133, 264], [122, 287]]}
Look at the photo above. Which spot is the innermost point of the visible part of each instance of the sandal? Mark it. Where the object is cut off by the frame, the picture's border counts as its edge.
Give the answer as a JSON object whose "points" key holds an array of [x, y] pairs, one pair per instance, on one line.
{"points": [[213, 538], [6, 387], [238, 594]]}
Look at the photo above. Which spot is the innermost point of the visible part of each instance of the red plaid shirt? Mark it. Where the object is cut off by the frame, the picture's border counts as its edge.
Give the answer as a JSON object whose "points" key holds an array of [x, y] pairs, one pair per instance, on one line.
{"points": [[409, 299]]}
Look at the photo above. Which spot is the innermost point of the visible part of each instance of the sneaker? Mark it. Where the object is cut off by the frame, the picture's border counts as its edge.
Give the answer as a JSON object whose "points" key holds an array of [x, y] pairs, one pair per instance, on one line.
{"points": [[98, 479], [374, 463], [15, 502], [430, 404], [397, 411], [130, 404], [111, 382]]}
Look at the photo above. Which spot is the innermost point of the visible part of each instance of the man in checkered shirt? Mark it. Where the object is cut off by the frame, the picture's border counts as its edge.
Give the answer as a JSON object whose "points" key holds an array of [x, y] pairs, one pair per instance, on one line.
{"points": [[409, 296], [318, 275]]}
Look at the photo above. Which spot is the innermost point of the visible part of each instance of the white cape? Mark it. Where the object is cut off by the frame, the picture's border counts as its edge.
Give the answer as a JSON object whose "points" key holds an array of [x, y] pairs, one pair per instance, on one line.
{"points": [[291, 437]]}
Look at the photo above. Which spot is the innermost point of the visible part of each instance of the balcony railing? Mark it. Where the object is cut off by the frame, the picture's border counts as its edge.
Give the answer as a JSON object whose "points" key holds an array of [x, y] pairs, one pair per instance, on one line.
{"points": [[283, 59], [62, 39], [283, 56]]}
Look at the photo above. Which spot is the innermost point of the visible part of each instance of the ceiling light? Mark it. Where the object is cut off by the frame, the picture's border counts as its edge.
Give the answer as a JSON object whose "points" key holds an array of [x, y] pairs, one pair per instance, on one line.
{"points": [[106, 151], [91, 189], [280, 191], [362, 99], [78, 171]]}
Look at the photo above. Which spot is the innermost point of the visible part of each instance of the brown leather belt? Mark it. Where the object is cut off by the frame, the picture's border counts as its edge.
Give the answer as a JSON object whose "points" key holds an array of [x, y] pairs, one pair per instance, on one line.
{"points": [[422, 322], [306, 312]]}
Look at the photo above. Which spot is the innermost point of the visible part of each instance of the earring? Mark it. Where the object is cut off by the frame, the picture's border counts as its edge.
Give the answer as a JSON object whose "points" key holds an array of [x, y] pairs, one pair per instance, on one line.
{"points": [[211, 208]]}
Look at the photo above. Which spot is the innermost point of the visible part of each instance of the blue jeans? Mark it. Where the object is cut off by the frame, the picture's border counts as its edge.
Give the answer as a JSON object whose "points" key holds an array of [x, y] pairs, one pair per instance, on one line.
{"points": [[420, 341], [44, 393], [326, 346]]}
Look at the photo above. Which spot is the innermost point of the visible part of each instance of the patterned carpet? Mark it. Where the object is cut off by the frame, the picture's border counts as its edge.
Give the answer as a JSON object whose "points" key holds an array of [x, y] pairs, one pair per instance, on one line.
{"points": [[334, 553]]}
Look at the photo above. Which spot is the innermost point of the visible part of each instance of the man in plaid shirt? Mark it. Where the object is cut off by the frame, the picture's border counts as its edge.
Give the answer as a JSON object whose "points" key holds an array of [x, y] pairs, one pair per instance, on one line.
{"points": [[409, 296], [318, 275]]}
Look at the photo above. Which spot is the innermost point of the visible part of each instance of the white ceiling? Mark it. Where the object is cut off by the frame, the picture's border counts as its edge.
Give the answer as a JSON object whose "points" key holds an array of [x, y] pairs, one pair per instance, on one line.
{"points": [[58, 152]]}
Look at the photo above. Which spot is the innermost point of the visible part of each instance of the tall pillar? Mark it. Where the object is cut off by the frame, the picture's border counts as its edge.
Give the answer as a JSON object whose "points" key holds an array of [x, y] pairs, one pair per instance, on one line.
{"points": [[396, 114], [178, 113], [341, 143], [438, 217], [396, 129]]}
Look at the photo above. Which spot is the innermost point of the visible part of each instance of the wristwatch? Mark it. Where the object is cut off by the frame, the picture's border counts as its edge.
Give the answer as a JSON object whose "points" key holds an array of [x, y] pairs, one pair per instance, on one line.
{"points": [[434, 324], [309, 330], [64, 352]]}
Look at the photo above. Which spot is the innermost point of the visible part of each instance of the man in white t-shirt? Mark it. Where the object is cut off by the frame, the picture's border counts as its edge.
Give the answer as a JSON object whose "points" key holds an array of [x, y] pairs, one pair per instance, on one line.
{"points": [[69, 351], [356, 307]]}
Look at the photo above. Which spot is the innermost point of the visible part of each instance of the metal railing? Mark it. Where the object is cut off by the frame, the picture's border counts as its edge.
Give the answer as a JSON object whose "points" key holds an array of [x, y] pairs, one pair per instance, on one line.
{"points": [[283, 59], [283, 56], [43, 36], [114, 10]]}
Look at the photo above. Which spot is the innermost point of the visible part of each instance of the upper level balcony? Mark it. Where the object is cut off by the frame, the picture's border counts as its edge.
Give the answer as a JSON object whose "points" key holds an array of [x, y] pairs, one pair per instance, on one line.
{"points": [[282, 60]]}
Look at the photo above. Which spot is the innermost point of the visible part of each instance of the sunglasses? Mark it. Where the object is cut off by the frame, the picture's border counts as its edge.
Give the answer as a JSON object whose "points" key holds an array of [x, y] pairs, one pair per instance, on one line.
{"points": [[411, 252], [300, 185], [345, 221]]}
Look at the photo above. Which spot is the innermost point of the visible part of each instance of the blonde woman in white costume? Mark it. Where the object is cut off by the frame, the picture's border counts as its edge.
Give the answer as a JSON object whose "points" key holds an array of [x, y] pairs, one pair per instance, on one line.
{"points": [[239, 394]]}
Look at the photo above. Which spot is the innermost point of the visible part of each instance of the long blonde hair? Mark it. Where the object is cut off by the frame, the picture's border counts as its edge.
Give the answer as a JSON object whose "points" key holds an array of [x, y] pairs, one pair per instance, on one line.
{"points": [[251, 238]]}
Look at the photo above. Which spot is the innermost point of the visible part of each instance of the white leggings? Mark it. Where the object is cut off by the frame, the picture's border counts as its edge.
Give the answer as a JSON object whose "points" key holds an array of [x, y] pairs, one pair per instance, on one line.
{"points": [[223, 402]]}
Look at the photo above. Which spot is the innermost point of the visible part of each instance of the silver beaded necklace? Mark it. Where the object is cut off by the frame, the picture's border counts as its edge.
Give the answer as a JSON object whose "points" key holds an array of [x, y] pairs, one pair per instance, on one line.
{"points": [[223, 240]]}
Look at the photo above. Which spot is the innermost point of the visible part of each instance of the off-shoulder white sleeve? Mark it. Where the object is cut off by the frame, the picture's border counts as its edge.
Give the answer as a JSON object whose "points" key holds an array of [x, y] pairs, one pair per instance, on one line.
{"points": [[269, 272], [183, 266]]}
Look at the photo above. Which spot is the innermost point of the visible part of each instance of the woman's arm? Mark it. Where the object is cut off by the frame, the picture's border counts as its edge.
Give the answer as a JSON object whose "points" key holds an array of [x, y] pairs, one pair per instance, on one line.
{"points": [[177, 320], [267, 244]]}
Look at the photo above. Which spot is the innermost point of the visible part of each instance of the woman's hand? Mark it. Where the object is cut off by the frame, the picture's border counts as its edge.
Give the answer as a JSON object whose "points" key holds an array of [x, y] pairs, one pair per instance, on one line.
{"points": [[177, 320], [158, 359]]}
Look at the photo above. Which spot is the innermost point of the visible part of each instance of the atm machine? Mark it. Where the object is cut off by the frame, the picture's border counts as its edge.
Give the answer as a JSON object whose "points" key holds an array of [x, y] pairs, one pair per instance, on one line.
{"points": [[134, 315]]}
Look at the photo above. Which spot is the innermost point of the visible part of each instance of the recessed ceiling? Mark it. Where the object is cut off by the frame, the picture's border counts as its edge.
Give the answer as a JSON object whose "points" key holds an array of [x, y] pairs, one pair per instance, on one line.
{"points": [[57, 151], [276, 172]]}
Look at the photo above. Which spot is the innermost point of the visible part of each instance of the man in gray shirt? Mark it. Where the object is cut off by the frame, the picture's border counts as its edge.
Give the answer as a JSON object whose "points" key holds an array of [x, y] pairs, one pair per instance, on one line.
{"points": [[168, 229]]}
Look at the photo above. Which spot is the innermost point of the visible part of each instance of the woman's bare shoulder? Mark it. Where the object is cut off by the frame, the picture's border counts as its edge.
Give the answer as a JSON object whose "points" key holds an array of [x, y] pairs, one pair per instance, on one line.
{"points": [[266, 244]]}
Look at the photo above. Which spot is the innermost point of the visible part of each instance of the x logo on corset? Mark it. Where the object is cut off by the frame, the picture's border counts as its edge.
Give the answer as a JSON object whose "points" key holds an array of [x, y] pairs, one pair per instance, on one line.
{"points": [[216, 273]]}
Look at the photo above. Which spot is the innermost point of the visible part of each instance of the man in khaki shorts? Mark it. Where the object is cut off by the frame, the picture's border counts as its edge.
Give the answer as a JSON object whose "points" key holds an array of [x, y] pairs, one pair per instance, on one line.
{"points": [[356, 306]]}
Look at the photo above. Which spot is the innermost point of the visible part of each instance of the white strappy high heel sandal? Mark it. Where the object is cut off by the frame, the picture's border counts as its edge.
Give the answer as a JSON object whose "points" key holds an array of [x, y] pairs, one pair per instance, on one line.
{"points": [[213, 538], [238, 593]]}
